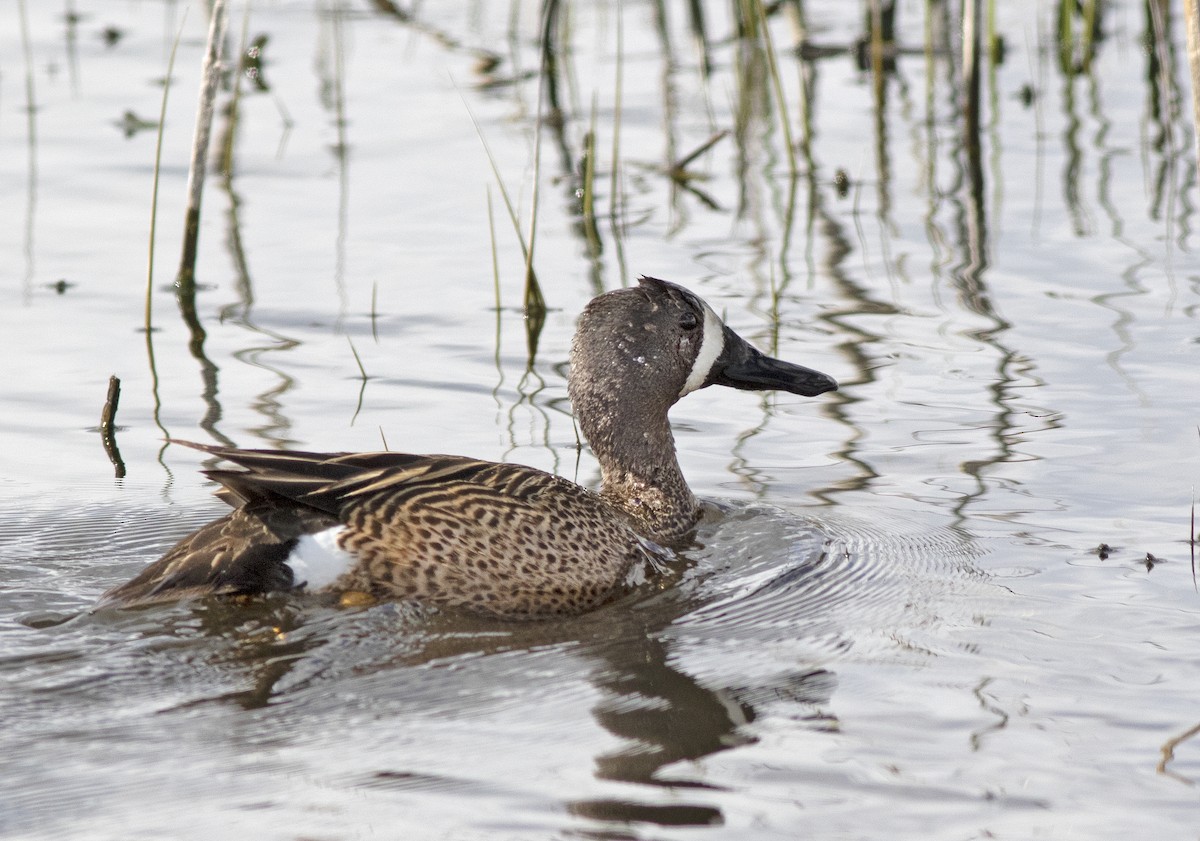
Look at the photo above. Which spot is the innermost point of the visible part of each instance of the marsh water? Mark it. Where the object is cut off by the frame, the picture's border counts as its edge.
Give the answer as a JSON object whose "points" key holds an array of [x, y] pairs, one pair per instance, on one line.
{"points": [[953, 600]]}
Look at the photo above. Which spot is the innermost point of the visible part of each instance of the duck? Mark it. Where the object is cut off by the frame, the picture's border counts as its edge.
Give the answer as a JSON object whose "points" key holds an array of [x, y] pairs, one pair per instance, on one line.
{"points": [[500, 539]]}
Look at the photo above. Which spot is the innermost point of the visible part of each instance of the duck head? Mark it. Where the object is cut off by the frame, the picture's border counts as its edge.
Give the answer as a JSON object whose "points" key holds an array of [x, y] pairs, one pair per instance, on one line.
{"points": [[656, 342]]}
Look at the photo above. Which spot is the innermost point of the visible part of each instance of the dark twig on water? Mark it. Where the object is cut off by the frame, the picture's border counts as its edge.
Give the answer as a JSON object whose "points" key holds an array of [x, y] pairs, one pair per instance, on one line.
{"points": [[1192, 538], [1192, 531], [678, 169], [365, 377], [1168, 753], [108, 426]]}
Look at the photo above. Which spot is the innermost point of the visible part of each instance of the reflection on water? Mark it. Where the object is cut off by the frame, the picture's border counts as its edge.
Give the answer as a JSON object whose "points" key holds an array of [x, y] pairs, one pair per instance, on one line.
{"points": [[983, 233]]}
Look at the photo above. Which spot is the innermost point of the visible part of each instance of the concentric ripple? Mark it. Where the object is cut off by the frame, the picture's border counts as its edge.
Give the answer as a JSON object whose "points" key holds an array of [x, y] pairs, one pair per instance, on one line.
{"points": [[817, 587]]}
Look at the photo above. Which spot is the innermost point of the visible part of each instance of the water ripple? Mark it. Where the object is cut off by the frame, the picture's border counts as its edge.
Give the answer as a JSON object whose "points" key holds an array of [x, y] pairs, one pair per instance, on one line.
{"points": [[807, 589]]}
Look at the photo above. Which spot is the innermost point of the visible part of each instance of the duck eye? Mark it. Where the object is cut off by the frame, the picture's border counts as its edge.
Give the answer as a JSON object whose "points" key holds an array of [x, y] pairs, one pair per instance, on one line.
{"points": [[688, 320]]}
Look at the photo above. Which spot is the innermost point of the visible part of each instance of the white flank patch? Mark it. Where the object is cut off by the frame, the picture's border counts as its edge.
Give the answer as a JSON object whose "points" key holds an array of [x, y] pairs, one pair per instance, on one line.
{"points": [[710, 348], [317, 560]]}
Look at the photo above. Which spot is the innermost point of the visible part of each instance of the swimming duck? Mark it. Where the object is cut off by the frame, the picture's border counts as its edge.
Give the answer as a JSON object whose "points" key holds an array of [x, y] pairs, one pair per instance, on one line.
{"points": [[500, 539]]}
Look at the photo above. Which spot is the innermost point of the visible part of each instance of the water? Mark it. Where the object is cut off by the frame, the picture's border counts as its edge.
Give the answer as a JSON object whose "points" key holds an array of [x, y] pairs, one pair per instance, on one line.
{"points": [[896, 624]]}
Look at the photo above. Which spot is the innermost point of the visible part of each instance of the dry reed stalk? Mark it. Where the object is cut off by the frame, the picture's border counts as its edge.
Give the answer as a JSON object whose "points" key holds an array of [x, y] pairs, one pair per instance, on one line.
{"points": [[1191, 22], [204, 118]]}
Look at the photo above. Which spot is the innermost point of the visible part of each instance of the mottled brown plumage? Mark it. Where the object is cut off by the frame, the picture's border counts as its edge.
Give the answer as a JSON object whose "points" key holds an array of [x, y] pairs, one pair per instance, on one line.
{"points": [[445, 530], [503, 539]]}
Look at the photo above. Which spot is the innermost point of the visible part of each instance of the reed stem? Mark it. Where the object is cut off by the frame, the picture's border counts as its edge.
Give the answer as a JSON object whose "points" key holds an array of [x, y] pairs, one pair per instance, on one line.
{"points": [[186, 279]]}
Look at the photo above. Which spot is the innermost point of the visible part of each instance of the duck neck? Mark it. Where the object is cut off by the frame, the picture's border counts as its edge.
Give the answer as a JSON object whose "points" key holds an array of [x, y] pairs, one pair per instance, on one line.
{"points": [[639, 471]]}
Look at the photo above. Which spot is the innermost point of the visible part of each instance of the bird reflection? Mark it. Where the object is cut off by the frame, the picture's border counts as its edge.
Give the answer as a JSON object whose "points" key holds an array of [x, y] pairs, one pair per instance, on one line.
{"points": [[665, 716]]}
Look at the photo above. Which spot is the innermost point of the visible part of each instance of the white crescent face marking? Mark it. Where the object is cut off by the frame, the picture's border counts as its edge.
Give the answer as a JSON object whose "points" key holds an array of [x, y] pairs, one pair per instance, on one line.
{"points": [[317, 560], [711, 345]]}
